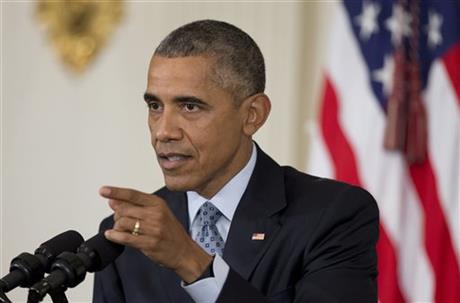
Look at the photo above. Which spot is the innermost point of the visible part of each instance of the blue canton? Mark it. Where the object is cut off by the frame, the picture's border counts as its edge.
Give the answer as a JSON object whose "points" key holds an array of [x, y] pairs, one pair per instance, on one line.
{"points": [[381, 27]]}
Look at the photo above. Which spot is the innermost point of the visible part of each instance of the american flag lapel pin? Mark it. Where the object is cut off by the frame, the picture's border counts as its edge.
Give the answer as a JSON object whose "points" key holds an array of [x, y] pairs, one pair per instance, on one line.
{"points": [[258, 236]]}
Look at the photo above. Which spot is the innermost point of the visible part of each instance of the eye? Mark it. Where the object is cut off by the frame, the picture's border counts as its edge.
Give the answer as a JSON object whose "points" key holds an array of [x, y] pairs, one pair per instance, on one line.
{"points": [[154, 106], [191, 107]]}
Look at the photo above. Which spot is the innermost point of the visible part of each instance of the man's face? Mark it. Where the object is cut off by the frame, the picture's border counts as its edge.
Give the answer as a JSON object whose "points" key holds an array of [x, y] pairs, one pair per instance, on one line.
{"points": [[196, 128]]}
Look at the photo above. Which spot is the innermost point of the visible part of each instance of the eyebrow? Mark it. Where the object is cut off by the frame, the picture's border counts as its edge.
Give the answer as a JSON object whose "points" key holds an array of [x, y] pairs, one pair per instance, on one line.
{"points": [[190, 99], [149, 97]]}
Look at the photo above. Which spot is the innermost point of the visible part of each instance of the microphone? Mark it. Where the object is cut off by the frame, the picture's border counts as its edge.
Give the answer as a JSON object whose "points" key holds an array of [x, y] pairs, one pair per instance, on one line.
{"points": [[69, 269], [26, 269]]}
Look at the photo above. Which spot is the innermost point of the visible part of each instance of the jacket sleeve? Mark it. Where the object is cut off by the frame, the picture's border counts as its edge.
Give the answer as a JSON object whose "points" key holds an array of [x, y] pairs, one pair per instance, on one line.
{"points": [[340, 263]]}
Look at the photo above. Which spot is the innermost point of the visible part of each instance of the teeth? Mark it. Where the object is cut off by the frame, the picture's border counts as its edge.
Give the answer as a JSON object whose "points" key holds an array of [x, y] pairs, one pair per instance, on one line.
{"points": [[175, 158]]}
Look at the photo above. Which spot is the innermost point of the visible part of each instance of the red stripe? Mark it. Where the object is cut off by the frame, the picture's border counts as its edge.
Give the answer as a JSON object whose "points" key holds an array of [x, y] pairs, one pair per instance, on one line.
{"points": [[346, 170], [387, 263], [452, 63], [438, 241], [339, 148]]}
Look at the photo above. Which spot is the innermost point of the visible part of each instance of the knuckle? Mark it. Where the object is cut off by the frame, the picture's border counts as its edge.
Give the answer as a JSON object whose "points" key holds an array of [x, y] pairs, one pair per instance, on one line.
{"points": [[129, 194], [119, 214], [117, 226], [122, 224], [156, 200]]}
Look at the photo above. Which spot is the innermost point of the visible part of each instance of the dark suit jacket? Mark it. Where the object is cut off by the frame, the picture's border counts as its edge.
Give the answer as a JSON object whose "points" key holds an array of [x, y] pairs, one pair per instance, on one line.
{"points": [[319, 245]]}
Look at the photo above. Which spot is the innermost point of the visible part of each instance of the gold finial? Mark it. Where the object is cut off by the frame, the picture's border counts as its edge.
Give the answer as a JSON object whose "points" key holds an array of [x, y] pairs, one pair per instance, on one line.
{"points": [[78, 29]]}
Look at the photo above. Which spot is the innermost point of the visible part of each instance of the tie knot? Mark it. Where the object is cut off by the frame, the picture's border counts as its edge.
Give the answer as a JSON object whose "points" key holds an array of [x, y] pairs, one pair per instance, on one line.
{"points": [[209, 214]]}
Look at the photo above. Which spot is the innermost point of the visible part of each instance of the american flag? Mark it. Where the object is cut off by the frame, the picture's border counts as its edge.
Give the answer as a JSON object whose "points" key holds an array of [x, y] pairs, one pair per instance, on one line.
{"points": [[389, 121]]}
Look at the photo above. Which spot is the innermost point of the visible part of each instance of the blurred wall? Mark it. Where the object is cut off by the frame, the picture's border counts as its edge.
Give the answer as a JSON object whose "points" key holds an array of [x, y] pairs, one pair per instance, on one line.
{"points": [[64, 135]]}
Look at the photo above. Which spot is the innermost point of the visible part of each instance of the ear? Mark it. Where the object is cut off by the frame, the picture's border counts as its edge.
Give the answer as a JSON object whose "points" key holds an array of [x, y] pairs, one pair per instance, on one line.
{"points": [[257, 108]]}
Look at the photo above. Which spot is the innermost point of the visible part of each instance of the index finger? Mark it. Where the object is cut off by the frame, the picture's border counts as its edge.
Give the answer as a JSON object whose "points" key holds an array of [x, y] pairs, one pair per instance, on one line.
{"points": [[127, 195]]}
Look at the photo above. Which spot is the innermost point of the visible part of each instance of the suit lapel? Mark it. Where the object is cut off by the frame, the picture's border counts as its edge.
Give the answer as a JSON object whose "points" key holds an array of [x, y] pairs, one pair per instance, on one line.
{"points": [[177, 202], [257, 213]]}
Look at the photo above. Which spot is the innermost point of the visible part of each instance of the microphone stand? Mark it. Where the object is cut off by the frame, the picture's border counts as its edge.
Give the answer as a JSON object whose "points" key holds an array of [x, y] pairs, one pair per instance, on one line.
{"points": [[57, 296], [4, 298]]}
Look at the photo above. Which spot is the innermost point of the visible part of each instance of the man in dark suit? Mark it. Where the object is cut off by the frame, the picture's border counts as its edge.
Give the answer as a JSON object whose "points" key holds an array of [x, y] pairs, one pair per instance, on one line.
{"points": [[231, 225]]}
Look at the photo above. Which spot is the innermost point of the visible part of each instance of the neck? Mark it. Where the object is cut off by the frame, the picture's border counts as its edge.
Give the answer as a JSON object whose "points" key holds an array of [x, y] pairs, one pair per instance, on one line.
{"points": [[242, 158]]}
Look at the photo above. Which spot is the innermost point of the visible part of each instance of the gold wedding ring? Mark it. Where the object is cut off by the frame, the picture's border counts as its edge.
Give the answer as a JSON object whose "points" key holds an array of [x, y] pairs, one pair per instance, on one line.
{"points": [[136, 228]]}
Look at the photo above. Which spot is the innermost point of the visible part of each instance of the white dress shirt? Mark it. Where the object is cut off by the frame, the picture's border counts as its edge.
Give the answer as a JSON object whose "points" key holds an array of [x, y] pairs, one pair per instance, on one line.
{"points": [[226, 200]]}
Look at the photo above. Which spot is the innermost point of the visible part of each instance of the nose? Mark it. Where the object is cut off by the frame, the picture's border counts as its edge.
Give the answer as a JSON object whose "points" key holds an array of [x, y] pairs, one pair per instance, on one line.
{"points": [[166, 126]]}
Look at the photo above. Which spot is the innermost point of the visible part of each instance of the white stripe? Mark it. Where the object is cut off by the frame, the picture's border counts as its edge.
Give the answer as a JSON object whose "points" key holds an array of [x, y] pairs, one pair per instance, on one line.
{"points": [[443, 114], [416, 273], [383, 173], [319, 162]]}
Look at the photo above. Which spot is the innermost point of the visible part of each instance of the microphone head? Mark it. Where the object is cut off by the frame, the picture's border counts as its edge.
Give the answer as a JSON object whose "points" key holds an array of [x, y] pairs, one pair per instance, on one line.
{"points": [[101, 251], [67, 241]]}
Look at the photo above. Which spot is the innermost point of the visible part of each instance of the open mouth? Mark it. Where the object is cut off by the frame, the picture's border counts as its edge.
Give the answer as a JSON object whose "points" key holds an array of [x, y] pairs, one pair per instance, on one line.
{"points": [[172, 160]]}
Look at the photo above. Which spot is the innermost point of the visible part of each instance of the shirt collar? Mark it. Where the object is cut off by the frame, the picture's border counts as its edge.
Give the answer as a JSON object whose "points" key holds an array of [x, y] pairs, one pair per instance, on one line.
{"points": [[227, 199]]}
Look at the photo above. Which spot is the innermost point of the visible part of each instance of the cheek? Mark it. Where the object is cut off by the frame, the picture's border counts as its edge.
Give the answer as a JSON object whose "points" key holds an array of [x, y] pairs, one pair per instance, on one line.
{"points": [[150, 123], [152, 135], [213, 134], [215, 142]]}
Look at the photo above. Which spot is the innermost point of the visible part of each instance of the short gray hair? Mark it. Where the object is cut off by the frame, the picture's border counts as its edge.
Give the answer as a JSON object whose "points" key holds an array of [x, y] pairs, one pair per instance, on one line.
{"points": [[239, 65]]}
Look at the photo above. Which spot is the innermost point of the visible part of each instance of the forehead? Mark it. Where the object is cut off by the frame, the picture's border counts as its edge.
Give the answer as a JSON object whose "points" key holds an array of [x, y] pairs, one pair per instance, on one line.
{"points": [[182, 73]]}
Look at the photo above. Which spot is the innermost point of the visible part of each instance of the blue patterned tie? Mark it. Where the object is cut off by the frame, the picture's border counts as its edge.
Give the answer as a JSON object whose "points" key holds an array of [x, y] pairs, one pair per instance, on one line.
{"points": [[209, 237]]}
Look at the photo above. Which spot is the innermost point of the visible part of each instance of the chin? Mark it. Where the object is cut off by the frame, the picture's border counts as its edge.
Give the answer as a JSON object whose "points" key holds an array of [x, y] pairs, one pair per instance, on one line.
{"points": [[176, 188], [176, 185]]}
